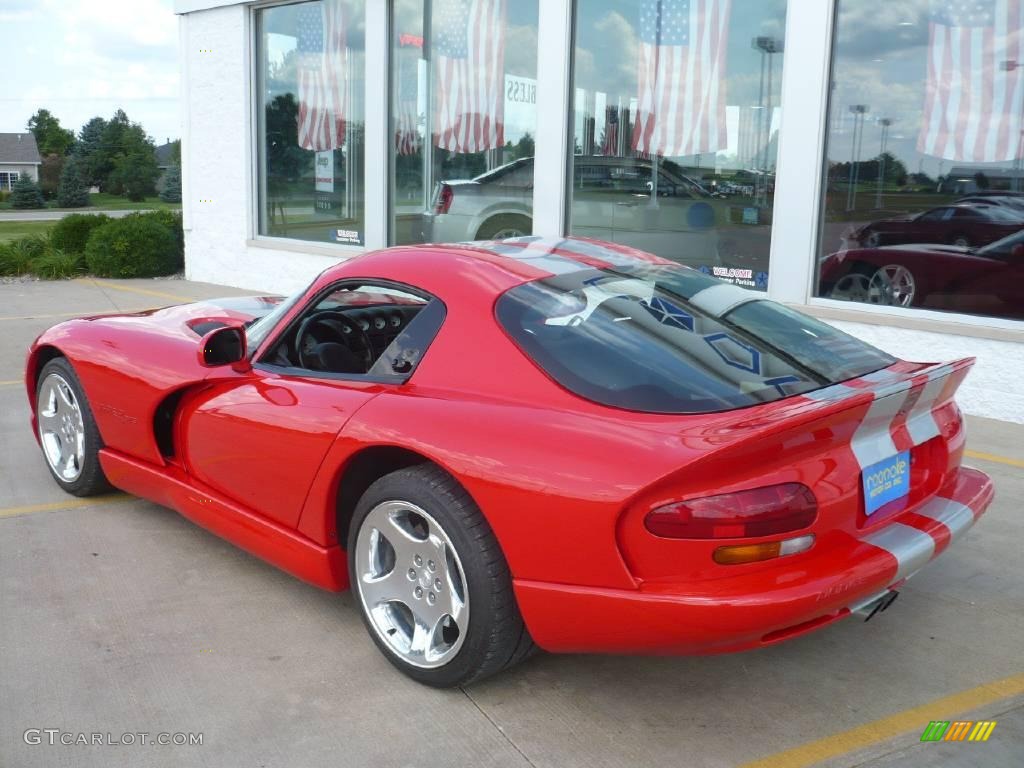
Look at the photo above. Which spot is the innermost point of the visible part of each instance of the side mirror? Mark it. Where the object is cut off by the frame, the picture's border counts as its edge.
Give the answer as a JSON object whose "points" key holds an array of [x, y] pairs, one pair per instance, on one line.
{"points": [[1017, 252], [225, 346]]}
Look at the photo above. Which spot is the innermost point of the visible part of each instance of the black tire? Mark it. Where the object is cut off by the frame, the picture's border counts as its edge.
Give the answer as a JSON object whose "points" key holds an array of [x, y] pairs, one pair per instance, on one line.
{"points": [[505, 225], [496, 638], [960, 239], [872, 239], [90, 479]]}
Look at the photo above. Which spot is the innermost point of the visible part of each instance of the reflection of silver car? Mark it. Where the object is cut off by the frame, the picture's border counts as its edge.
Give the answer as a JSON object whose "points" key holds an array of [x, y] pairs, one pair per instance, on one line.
{"points": [[612, 200]]}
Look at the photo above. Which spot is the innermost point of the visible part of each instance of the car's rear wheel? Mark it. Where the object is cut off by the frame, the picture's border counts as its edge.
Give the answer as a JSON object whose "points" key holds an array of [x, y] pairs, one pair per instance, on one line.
{"points": [[960, 240], [67, 431], [431, 582], [872, 239], [504, 226], [854, 285]]}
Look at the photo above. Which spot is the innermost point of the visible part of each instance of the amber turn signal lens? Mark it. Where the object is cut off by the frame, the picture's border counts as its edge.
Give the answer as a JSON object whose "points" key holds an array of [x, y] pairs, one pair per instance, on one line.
{"points": [[753, 553]]}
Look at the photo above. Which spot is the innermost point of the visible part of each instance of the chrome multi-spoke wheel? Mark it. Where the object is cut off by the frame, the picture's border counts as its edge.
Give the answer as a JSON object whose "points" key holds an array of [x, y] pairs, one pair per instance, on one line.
{"points": [[851, 287], [893, 285], [61, 428], [67, 432], [421, 555], [411, 583]]}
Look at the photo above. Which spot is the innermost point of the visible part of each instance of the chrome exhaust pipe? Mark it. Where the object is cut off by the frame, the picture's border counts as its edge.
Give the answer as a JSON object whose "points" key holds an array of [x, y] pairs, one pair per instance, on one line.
{"points": [[875, 605]]}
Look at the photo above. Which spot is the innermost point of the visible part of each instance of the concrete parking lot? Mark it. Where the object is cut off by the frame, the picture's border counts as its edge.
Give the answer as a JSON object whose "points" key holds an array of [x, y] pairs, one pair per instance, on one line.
{"points": [[119, 617]]}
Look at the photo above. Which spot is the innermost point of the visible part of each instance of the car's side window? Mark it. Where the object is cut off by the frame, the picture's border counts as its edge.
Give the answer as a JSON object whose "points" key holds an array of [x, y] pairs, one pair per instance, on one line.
{"points": [[359, 329]]}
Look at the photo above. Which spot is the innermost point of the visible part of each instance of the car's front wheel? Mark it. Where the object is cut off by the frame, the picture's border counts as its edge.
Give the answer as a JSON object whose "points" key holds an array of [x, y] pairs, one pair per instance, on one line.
{"points": [[67, 431], [505, 226], [431, 582]]}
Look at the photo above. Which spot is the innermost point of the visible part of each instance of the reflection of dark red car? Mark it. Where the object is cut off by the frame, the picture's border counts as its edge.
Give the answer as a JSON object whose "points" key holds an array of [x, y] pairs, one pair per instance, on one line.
{"points": [[964, 225], [988, 279], [557, 441]]}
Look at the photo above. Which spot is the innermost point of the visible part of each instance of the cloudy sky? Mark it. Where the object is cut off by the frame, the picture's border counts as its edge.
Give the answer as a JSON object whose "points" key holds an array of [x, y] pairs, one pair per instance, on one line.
{"points": [[82, 58]]}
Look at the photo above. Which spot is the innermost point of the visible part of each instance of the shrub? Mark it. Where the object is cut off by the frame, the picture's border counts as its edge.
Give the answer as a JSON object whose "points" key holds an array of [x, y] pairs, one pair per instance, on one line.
{"points": [[171, 220], [72, 191], [25, 193], [55, 264], [71, 233], [16, 256], [134, 246], [5, 195]]}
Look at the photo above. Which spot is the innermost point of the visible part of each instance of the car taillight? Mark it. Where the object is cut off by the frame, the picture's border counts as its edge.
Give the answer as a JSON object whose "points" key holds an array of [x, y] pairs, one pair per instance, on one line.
{"points": [[444, 198], [758, 512]]}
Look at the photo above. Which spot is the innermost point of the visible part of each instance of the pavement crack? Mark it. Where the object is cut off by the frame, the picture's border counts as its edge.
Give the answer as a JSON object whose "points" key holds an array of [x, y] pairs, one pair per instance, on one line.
{"points": [[498, 728]]}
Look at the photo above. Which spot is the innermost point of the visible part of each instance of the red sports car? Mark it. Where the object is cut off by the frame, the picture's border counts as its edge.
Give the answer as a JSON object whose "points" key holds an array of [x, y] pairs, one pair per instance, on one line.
{"points": [[988, 280], [552, 442]]}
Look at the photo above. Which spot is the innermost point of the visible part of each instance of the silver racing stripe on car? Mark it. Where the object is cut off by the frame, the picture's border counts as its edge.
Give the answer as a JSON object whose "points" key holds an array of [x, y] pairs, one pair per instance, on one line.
{"points": [[717, 300], [954, 515], [911, 548], [921, 423], [873, 440]]}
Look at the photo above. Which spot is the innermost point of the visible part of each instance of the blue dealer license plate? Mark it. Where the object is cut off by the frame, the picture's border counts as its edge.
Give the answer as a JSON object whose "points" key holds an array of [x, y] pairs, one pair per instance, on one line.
{"points": [[886, 481]]}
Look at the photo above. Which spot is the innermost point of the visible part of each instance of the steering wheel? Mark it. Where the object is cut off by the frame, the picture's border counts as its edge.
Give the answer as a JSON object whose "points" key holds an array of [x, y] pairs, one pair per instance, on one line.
{"points": [[351, 332]]}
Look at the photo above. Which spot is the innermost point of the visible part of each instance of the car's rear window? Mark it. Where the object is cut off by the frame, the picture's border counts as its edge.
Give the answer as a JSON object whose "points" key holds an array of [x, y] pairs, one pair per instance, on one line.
{"points": [[667, 339]]}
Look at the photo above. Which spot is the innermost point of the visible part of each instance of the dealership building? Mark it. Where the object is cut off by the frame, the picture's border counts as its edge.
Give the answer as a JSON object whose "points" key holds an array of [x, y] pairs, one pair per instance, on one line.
{"points": [[859, 161]]}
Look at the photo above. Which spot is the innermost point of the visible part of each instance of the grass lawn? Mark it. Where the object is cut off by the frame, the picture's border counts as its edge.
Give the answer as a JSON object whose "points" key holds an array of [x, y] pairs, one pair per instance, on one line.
{"points": [[101, 201], [13, 230]]}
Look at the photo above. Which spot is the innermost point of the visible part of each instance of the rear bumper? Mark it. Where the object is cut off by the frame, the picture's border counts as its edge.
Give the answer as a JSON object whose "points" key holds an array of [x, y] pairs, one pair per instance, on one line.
{"points": [[749, 610]]}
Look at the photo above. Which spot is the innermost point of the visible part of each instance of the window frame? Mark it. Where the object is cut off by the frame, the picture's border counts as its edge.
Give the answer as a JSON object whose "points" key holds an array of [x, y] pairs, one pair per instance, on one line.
{"points": [[287, 326]]}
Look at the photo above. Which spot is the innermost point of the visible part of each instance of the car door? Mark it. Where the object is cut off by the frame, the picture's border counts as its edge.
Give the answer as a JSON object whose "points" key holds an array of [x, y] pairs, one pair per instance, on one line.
{"points": [[260, 438]]}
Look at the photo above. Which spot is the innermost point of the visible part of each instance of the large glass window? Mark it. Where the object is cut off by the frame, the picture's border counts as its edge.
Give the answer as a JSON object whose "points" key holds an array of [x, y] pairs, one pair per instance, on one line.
{"points": [[924, 200], [310, 60], [676, 117], [464, 117]]}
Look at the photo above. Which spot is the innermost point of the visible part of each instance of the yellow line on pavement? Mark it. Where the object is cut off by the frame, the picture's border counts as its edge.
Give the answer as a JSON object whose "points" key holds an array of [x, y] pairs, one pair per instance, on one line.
{"points": [[887, 728], [80, 313], [997, 459], [93, 501], [11, 382], [133, 289]]}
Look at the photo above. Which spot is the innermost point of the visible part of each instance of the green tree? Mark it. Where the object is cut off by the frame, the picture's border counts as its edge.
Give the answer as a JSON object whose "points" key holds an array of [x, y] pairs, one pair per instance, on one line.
{"points": [[88, 150], [74, 190], [135, 174], [171, 192], [49, 175], [25, 193], [51, 138]]}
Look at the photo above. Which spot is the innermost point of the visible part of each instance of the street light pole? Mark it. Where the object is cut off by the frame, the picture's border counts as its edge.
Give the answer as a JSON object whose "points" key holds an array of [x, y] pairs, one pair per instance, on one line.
{"points": [[767, 46], [1012, 65], [858, 110], [885, 122]]}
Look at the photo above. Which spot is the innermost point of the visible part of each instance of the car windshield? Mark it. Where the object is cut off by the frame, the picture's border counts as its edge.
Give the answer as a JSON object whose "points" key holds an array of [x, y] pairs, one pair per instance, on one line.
{"points": [[667, 339], [1002, 247], [257, 331]]}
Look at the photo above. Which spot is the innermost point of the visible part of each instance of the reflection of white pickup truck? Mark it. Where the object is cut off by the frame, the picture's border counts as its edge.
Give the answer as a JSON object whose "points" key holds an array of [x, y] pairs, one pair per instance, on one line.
{"points": [[611, 200]]}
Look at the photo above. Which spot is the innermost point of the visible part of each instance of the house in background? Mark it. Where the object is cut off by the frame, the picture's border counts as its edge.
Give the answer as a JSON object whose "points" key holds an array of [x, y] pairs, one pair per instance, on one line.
{"points": [[167, 154], [18, 154]]}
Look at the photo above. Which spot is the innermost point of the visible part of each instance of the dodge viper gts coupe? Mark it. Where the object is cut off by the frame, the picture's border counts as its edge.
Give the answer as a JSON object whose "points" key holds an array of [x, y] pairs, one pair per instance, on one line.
{"points": [[988, 280], [552, 443]]}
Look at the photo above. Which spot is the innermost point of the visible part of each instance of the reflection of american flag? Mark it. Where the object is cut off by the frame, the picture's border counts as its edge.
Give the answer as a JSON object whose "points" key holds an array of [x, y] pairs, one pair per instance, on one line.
{"points": [[407, 138], [469, 40], [611, 132], [321, 75], [681, 99], [972, 109]]}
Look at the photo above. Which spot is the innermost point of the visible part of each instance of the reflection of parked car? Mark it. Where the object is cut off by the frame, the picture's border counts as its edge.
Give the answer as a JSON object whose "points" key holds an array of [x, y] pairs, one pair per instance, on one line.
{"points": [[962, 225], [612, 201], [909, 275], [1012, 202]]}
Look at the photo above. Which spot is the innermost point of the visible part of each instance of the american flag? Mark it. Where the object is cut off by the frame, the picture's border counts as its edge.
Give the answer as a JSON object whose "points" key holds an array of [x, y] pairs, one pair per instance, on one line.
{"points": [[681, 73], [469, 40], [972, 109], [323, 81], [611, 132], [407, 137]]}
